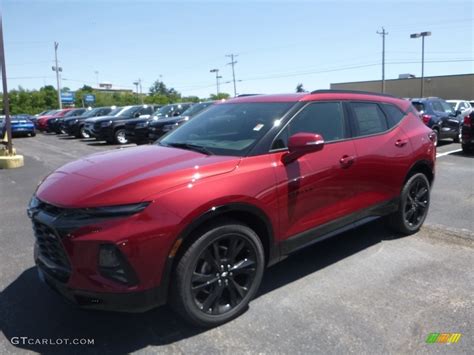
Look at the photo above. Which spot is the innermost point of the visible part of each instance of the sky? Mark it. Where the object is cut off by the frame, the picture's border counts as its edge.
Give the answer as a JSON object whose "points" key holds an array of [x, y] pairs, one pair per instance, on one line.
{"points": [[279, 43]]}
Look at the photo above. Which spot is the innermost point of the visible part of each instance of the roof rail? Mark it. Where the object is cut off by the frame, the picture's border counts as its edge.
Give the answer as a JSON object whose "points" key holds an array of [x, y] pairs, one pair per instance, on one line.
{"points": [[335, 91], [244, 95]]}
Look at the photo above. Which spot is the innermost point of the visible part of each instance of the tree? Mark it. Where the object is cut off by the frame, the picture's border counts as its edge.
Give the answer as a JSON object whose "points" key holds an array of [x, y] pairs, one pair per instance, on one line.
{"points": [[300, 88], [221, 96], [159, 88]]}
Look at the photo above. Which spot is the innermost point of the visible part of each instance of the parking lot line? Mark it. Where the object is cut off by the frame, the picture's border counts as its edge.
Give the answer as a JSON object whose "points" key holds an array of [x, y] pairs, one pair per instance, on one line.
{"points": [[447, 153]]}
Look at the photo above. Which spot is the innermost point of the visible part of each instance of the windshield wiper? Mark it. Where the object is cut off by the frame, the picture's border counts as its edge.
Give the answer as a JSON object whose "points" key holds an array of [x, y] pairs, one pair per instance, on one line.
{"points": [[189, 146]]}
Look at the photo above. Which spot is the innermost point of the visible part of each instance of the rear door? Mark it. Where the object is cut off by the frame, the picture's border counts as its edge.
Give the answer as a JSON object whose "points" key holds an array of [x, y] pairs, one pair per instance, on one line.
{"points": [[449, 125], [383, 151]]}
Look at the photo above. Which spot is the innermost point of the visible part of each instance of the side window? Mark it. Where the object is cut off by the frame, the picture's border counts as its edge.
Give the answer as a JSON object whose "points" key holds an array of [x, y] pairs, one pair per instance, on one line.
{"points": [[324, 118], [394, 114], [437, 106], [369, 118]]}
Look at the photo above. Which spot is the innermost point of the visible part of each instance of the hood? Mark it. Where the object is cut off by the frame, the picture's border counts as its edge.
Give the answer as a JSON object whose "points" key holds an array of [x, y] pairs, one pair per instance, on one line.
{"points": [[128, 175], [98, 118]]}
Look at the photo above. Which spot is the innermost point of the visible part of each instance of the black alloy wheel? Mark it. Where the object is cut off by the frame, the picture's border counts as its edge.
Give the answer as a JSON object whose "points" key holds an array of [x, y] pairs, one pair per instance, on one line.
{"points": [[218, 275]]}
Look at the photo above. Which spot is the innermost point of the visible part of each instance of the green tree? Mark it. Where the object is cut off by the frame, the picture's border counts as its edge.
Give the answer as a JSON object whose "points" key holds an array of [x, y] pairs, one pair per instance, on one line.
{"points": [[300, 88], [221, 96]]}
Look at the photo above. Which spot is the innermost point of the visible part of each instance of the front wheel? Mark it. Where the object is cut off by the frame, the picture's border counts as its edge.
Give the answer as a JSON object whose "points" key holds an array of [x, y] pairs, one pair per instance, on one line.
{"points": [[218, 275], [120, 136], [413, 206], [458, 138]]}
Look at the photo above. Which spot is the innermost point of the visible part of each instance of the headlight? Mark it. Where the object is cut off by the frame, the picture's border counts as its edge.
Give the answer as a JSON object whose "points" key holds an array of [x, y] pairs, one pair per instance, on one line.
{"points": [[105, 124], [75, 121], [112, 211]]}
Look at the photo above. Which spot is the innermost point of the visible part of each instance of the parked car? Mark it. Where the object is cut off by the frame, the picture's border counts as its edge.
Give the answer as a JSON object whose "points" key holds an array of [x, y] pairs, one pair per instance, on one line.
{"points": [[136, 131], [461, 105], [196, 218], [440, 117], [74, 126], [55, 123], [89, 122], [34, 118], [42, 121], [22, 125], [112, 128], [157, 128], [467, 139]]}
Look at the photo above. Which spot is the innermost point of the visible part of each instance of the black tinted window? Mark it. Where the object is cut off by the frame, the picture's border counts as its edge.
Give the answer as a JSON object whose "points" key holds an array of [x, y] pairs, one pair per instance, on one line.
{"points": [[394, 114], [324, 118], [369, 118]]}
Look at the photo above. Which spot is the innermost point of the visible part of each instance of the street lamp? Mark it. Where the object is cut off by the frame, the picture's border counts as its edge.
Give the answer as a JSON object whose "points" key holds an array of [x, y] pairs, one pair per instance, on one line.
{"points": [[217, 78], [422, 35]]}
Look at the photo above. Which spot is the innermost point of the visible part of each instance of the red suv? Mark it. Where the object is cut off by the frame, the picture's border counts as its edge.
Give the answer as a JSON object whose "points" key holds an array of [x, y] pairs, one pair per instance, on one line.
{"points": [[196, 218]]}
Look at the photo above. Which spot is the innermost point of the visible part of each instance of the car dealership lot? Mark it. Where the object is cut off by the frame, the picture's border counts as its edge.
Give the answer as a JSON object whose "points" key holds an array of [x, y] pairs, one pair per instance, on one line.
{"points": [[364, 291]]}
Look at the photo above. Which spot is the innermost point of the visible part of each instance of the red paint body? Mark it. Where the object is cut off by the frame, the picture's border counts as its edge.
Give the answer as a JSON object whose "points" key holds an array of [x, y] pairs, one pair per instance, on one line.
{"points": [[43, 120], [319, 187]]}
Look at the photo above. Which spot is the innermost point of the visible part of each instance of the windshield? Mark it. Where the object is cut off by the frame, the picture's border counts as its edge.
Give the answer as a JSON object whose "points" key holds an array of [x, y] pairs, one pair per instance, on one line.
{"points": [[228, 129], [165, 110], [193, 110], [71, 113], [115, 111], [130, 111]]}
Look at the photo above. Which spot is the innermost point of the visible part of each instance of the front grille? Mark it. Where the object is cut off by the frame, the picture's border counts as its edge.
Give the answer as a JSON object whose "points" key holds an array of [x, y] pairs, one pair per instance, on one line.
{"points": [[50, 252]]}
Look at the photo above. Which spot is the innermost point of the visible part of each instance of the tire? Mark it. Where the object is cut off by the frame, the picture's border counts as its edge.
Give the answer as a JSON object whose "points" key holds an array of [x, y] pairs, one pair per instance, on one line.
{"points": [[223, 284], [33, 134], [466, 148], [82, 133], [457, 139], [413, 206], [436, 131], [119, 136]]}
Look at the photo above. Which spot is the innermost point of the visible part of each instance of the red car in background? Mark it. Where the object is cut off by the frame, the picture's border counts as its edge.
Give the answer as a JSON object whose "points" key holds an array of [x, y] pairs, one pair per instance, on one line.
{"points": [[42, 121], [196, 218]]}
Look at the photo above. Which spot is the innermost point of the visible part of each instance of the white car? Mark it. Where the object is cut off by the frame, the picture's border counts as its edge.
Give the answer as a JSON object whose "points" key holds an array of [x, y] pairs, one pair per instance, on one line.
{"points": [[461, 105]]}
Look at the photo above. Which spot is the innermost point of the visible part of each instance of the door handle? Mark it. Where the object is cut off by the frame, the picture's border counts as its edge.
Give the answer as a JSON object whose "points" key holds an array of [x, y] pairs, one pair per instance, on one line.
{"points": [[401, 142], [346, 161]]}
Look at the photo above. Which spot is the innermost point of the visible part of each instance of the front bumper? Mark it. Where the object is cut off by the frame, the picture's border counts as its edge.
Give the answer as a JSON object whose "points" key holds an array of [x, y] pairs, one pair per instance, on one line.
{"points": [[141, 301], [103, 133], [67, 251], [137, 135]]}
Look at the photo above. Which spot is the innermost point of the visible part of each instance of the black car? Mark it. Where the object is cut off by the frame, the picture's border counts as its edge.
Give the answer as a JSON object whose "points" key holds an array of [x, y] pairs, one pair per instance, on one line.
{"points": [[467, 137], [440, 117], [112, 128], [136, 131], [55, 124], [159, 127], [74, 126]]}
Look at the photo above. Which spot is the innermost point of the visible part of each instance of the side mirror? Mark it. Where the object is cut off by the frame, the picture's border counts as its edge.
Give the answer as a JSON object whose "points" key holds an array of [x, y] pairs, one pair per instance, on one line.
{"points": [[136, 115], [458, 112], [303, 143]]}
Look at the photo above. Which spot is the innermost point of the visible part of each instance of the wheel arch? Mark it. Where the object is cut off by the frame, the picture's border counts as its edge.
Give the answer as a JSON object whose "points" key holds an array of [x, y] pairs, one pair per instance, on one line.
{"points": [[422, 166]]}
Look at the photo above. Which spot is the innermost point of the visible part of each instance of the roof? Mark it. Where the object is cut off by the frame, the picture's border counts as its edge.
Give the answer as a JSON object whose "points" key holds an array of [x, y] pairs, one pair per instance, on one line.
{"points": [[314, 96]]}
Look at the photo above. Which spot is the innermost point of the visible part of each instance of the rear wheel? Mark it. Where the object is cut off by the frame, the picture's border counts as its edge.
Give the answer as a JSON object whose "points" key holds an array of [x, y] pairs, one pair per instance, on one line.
{"points": [[466, 148], [33, 134], [218, 275], [119, 136], [413, 207]]}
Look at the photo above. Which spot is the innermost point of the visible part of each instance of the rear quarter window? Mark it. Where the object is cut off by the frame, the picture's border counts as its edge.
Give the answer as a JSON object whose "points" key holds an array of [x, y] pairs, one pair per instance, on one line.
{"points": [[368, 118], [394, 114]]}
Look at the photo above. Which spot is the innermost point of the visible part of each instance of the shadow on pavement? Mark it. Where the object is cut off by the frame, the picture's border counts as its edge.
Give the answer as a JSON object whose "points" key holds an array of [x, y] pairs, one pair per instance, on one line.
{"points": [[30, 309]]}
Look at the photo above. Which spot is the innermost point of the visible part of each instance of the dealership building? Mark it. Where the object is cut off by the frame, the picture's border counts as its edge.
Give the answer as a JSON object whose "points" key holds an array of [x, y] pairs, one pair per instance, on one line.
{"points": [[447, 87]]}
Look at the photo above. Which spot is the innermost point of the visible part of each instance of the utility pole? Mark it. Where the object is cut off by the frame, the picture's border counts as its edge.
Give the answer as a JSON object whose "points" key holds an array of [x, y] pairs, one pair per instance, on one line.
{"points": [[383, 34], [57, 69], [97, 77], [6, 101], [217, 79], [138, 84], [422, 35], [233, 62]]}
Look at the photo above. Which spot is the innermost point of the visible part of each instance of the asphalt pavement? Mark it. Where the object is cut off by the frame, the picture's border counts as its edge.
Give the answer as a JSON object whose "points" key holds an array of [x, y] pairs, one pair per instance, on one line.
{"points": [[365, 291]]}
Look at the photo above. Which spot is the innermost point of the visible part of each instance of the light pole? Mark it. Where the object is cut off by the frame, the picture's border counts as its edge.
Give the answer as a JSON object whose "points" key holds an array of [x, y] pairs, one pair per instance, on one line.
{"points": [[217, 79], [96, 72], [422, 35], [57, 69], [6, 102]]}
